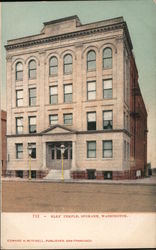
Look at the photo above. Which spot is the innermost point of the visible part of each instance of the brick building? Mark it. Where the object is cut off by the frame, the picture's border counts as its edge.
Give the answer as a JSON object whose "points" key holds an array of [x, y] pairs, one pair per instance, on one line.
{"points": [[3, 141], [75, 85]]}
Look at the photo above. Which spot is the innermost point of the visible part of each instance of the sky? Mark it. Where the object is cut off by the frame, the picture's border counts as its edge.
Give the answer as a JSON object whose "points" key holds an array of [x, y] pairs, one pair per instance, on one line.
{"points": [[26, 18]]}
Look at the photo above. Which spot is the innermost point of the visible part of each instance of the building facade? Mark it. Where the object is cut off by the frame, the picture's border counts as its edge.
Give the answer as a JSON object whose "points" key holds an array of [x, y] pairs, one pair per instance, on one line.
{"points": [[3, 142], [75, 85]]}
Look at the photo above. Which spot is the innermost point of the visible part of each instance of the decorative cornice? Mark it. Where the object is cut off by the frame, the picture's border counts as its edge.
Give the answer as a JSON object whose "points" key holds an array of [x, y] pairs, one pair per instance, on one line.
{"points": [[43, 133], [91, 31]]}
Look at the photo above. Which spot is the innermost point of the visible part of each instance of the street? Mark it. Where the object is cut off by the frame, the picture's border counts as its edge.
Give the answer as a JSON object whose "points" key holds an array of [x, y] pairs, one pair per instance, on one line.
{"points": [[24, 196]]}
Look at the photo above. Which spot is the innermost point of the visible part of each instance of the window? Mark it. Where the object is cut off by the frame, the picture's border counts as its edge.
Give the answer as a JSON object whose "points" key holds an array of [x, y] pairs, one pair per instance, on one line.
{"points": [[68, 119], [19, 98], [53, 119], [107, 58], [107, 88], [32, 124], [107, 175], [91, 121], [19, 71], [33, 174], [19, 173], [107, 149], [53, 66], [32, 97], [91, 60], [67, 64], [19, 151], [33, 146], [53, 94], [107, 120], [91, 90], [68, 93], [19, 125], [91, 149], [32, 69]]}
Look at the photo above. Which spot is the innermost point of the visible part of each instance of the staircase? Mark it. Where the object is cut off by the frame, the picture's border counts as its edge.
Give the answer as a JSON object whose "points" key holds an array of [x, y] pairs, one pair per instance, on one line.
{"points": [[57, 175]]}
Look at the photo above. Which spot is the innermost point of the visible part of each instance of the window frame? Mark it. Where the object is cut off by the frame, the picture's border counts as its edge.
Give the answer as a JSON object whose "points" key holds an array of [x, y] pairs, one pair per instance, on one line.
{"points": [[92, 112], [110, 121], [19, 151], [68, 94], [17, 98], [91, 60], [65, 64], [53, 66], [18, 71], [107, 89], [104, 58], [32, 97], [103, 149], [88, 157], [91, 91], [68, 119], [29, 118], [53, 95], [17, 126], [52, 115], [33, 69]]}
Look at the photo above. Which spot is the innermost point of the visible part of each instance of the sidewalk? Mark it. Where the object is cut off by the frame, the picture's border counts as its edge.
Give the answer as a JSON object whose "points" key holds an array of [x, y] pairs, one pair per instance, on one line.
{"points": [[145, 181]]}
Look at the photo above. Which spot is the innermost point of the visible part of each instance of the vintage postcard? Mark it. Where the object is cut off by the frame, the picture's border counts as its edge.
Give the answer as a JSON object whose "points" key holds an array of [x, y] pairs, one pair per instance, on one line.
{"points": [[78, 124]]}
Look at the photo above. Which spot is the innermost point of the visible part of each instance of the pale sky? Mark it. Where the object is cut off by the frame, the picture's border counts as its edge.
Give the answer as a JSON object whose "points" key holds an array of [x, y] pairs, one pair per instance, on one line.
{"points": [[26, 18]]}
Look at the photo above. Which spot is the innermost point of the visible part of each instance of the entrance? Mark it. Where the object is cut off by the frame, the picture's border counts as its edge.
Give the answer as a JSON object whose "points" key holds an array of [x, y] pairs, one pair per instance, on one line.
{"points": [[54, 160]]}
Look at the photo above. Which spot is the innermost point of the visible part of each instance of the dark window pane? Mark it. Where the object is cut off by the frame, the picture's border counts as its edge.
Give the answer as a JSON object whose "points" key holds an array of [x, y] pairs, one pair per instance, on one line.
{"points": [[58, 154]]}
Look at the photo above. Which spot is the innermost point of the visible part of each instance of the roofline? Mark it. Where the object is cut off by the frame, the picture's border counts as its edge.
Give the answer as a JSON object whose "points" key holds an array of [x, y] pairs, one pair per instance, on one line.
{"points": [[61, 20]]}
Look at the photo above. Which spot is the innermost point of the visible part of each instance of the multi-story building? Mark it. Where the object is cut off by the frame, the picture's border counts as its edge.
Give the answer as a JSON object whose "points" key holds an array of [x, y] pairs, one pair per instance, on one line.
{"points": [[75, 85], [3, 141]]}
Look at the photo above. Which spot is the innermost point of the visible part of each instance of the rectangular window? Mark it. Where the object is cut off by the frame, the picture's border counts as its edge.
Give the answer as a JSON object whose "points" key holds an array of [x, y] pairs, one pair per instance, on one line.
{"points": [[91, 121], [107, 119], [19, 173], [53, 119], [33, 147], [19, 125], [32, 124], [91, 90], [68, 119], [91, 149], [107, 149], [19, 151], [53, 94], [32, 97], [107, 88], [68, 93], [19, 98]]}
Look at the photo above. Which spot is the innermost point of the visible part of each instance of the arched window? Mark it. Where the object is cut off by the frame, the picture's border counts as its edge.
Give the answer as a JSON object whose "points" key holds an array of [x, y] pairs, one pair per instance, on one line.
{"points": [[19, 71], [107, 58], [53, 66], [91, 60], [32, 69], [68, 64]]}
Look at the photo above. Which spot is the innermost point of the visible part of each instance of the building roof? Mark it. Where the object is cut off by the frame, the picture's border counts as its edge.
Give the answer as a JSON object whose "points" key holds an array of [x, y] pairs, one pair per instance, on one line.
{"points": [[69, 27]]}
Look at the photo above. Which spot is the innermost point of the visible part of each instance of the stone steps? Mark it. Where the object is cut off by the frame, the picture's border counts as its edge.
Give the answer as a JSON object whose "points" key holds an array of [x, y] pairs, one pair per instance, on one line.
{"points": [[57, 175]]}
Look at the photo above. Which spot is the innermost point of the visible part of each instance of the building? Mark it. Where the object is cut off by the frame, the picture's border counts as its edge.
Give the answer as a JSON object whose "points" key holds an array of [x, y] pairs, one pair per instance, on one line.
{"points": [[75, 85], [3, 141]]}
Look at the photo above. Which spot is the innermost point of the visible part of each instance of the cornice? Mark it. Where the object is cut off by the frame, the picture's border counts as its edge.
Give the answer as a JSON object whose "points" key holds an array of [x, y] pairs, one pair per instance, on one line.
{"points": [[90, 31], [73, 132]]}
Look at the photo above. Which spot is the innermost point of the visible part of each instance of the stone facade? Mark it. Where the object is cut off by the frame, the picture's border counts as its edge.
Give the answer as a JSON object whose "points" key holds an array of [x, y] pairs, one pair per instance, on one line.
{"points": [[99, 152]]}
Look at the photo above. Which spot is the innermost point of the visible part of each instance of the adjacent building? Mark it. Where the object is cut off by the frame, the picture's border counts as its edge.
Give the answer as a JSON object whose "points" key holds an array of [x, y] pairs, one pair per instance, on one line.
{"points": [[75, 85], [3, 142]]}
